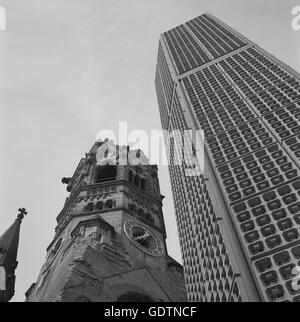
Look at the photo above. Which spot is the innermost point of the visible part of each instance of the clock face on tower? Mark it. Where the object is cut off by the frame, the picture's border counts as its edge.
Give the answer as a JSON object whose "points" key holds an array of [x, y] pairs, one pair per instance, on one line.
{"points": [[143, 238]]}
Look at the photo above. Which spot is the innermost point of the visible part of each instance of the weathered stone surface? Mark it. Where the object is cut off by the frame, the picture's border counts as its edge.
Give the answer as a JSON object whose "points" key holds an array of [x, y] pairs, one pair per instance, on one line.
{"points": [[92, 259]]}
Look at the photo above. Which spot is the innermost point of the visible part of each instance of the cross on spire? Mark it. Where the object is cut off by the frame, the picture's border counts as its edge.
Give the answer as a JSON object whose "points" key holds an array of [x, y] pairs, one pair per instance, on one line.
{"points": [[22, 213]]}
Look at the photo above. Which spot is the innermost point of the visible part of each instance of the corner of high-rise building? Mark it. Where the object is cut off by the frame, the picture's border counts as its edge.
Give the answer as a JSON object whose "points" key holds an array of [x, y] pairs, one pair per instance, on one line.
{"points": [[238, 219]]}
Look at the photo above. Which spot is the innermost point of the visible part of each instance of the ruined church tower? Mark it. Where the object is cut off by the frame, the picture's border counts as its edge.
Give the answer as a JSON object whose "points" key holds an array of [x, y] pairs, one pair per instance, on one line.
{"points": [[110, 239]]}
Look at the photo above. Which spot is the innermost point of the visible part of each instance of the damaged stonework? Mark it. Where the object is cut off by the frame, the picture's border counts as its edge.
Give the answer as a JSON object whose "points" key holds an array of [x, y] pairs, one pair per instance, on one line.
{"points": [[110, 237]]}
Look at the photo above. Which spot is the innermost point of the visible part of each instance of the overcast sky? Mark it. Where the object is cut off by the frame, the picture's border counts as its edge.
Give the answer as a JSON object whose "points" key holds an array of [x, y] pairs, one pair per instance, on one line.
{"points": [[69, 68]]}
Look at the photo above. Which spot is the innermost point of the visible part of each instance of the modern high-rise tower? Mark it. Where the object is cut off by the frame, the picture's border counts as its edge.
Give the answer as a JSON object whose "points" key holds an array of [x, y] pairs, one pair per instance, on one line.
{"points": [[110, 244], [239, 220]]}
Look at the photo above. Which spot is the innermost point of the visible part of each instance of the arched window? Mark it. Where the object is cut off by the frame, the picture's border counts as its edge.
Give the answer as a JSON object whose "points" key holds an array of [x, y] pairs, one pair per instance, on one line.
{"points": [[89, 207], [141, 213], [137, 180], [149, 218], [130, 176], [99, 205], [132, 207], [134, 297], [109, 203], [143, 184], [54, 251], [106, 173]]}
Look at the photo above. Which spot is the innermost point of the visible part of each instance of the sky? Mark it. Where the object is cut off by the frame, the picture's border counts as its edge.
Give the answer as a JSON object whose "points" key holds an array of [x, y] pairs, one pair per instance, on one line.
{"points": [[70, 68]]}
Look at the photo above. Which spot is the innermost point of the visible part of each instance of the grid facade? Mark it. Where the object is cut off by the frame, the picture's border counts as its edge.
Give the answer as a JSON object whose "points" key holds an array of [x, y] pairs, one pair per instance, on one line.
{"points": [[210, 274], [248, 105]]}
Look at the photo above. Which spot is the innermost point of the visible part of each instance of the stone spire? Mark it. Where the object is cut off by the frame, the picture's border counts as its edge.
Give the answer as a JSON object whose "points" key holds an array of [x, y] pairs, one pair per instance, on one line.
{"points": [[9, 243]]}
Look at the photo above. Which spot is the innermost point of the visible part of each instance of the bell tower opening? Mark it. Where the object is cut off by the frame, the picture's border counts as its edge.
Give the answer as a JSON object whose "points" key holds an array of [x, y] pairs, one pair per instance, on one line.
{"points": [[105, 173]]}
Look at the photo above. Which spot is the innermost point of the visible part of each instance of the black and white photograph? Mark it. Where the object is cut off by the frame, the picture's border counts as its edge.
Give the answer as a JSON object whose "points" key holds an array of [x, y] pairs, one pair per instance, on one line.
{"points": [[150, 153]]}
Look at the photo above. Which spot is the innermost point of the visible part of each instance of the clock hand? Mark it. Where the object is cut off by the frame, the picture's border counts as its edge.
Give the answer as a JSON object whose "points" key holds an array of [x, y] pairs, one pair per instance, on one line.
{"points": [[142, 236]]}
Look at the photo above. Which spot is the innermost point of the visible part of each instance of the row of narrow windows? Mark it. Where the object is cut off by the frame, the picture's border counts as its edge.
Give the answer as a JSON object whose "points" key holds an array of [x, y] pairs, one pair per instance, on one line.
{"points": [[137, 180], [108, 204]]}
